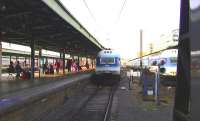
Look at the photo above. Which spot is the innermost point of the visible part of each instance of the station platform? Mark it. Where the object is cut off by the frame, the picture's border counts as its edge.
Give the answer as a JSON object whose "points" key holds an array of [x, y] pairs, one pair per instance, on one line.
{"points": [[33, 93], [129, 105], [5, 76], [10, 86]]}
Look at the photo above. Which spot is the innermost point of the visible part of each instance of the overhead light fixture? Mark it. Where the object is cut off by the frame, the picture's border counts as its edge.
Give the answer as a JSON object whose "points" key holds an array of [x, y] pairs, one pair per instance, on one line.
{"points": [[3, 33], [3, 7]]}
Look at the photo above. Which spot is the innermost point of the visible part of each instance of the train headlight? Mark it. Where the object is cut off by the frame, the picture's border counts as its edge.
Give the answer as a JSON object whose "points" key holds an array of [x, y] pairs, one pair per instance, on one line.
{"points": [[162, 70], [173, 73]]}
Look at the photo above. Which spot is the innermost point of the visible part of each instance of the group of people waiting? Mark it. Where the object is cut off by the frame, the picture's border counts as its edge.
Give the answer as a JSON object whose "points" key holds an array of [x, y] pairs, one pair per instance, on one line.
{"points": [[20, 73], [24, 73], [49, 68], [71, 66]]}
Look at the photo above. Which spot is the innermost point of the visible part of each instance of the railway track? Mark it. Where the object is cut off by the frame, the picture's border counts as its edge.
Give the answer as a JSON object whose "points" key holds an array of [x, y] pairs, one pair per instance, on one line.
{"points": [[90, 104], [98, 107], [109, 105]]}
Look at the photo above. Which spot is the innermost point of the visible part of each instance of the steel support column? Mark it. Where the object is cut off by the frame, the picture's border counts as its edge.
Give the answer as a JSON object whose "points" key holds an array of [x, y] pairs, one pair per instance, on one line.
{"points": [[32, 57], [60, 55], [0, 60], [92, 63], [39, 58], [78, 59], [25, 61], [16, 58], [182, 97], [63, 62], [141, 54], [78, 63], [10, 58]]}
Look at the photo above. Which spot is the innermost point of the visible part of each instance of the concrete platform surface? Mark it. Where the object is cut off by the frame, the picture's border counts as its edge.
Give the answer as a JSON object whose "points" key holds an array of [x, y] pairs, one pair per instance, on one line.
{"points": [[16, 85], [128, 105], [22, 96]]}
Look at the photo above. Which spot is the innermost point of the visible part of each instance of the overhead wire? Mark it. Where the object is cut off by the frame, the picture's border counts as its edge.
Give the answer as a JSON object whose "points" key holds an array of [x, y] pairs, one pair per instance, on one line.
{"points": [[121, 10], [90, 12], [92, 15], [119, 14]]}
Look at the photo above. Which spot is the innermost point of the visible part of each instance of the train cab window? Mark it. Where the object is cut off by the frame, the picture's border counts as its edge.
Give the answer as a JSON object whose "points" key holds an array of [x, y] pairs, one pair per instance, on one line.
{"points": [[173, 60], [162, 62], [107, 60], [154, 63]]}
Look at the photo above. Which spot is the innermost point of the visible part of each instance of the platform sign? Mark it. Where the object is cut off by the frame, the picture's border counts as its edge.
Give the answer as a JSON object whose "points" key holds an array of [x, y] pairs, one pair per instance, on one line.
{"points": [[148, 79], [150, 92], [149, 88], [151, 84]]}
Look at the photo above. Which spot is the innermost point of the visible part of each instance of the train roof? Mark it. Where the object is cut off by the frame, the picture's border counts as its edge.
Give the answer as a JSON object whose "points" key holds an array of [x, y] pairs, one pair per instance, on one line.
{"points": [[165, 54], [108, 53], [169, 53]]}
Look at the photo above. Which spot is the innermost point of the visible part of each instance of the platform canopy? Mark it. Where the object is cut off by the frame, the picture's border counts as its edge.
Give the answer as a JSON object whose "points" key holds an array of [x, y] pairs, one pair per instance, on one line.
{"points": [[48, 23]]}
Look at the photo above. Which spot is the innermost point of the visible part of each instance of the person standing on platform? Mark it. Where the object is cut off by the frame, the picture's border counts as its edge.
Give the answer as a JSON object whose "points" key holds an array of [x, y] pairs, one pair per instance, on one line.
{"points": [[51, 69], [74, 66], [44, 68], [69, 64], [57, 64], [77, 65], [87, 65], [130, 78], [18, 70]]}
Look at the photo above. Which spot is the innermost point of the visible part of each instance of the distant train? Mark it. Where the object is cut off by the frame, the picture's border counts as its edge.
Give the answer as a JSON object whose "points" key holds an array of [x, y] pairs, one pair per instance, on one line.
{"points": [[108, 66], [166, 59]]}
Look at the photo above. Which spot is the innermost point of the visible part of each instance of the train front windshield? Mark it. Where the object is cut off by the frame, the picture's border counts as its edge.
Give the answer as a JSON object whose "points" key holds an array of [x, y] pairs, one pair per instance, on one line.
{"points": [[107, 60], [173, 60]]}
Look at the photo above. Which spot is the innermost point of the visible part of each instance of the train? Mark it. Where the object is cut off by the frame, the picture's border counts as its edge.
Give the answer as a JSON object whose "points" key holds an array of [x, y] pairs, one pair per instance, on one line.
{"points": [[168, 58], [108, 67]]}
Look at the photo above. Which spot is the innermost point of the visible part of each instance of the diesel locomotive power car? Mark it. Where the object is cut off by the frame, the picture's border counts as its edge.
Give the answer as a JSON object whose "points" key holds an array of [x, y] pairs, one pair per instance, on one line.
{"points": [[108, 67]]}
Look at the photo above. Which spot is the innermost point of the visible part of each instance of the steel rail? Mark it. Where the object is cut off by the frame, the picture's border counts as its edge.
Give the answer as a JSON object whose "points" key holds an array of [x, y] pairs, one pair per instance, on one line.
{"points": [[109, 105]]}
